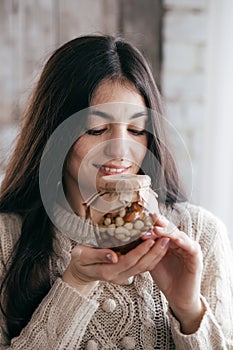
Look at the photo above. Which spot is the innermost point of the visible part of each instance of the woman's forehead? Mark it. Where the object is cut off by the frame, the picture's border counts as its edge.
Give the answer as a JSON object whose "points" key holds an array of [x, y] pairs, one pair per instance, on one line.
{"points": [[115, 91], [118, 112]]}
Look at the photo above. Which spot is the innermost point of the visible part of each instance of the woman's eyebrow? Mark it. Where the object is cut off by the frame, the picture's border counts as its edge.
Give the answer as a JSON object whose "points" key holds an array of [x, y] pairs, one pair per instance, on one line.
{"points": [[139, 114], [110, 117], [102, 114]]}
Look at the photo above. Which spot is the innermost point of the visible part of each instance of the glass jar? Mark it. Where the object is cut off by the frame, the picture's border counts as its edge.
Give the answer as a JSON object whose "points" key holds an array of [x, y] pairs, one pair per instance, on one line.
{"points": [[122, 211]]}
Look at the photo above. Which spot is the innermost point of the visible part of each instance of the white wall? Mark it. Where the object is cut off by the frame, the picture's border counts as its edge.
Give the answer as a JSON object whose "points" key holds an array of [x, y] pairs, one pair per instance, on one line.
{"points": [[198, 89], [217, 168], [183, 77]]}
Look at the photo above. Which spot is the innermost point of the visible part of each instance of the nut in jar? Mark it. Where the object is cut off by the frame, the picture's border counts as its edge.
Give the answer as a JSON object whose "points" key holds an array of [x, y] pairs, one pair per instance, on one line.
{"points": [[122, 211]]}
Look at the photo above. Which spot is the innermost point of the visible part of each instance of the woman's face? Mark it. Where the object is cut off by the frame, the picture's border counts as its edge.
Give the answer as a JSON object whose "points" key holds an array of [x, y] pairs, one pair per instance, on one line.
{"points": [[114, 142]]}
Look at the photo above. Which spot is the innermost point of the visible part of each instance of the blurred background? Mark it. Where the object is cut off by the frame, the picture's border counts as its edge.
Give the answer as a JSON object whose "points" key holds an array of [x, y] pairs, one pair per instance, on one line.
{"points": [[189, 44]]}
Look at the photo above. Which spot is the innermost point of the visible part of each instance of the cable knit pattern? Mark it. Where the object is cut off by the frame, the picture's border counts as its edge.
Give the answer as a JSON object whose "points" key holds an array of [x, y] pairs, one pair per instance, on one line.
{"points": [[135, 315]]}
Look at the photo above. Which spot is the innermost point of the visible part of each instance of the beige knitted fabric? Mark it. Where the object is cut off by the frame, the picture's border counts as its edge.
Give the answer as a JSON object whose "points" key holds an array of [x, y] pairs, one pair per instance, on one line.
{"points": [[134, 315]]}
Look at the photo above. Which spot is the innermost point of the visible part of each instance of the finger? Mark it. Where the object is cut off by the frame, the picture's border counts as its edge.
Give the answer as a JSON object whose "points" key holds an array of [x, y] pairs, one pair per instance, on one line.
{"points": [[150, 260], [189, 250], [154, 256], [160, 220], [166, 230], [179, 239], [149, 235], [120, 272], [131, 258], [89, 255], [112, 272]]}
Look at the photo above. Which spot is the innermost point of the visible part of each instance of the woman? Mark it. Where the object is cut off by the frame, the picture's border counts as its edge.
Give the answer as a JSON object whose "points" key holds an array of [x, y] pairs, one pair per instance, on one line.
{"points": [[174, 290]]}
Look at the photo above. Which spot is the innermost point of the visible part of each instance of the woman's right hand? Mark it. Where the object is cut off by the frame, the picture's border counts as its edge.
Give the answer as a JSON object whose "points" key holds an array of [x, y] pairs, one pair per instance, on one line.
{"points": [[89, 265], [84, 260]]}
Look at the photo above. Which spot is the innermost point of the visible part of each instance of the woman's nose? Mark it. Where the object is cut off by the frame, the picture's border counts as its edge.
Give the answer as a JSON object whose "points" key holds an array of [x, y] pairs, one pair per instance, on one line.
{"points": [[117, 144]]}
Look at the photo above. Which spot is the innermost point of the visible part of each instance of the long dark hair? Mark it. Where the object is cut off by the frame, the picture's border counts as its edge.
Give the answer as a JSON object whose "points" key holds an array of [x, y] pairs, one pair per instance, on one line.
{"points": [[67, 84]]}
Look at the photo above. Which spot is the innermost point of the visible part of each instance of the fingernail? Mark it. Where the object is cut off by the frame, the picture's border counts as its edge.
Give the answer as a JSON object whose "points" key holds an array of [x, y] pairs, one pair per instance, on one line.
{"points": [[161, 229], [163, 219], [168, 230], [148, 234], [109, 257], [164, 242], [150, 245]]}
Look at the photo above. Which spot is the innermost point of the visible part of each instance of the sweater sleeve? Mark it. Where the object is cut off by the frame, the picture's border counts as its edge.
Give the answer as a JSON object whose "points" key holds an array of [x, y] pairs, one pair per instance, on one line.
{"points": [[60, 320], [216, 329]]}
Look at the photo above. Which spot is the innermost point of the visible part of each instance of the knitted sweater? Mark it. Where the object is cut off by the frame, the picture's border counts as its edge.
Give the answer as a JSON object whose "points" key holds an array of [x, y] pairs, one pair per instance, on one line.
{"points": [[135, 315]]}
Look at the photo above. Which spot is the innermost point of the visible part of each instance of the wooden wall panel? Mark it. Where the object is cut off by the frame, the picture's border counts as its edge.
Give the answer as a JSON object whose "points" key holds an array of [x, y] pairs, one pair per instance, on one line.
{"points": [[31, 30], [9, 68], [37, 40], [141, 23], [85, 17], [27, 37]]}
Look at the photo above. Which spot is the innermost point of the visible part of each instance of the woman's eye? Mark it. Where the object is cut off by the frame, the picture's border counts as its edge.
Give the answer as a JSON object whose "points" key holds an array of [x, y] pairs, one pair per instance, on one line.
{"points": [[137, 132], [95, 132]]}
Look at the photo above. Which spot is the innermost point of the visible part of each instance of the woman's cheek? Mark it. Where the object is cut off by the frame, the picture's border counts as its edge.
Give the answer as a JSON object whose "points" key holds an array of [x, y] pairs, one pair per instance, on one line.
{"points": [[140, 153]]}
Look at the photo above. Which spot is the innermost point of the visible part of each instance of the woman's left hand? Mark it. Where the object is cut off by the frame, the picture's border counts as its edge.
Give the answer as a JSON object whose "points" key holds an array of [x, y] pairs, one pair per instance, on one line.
{"points": [[178, 275]]}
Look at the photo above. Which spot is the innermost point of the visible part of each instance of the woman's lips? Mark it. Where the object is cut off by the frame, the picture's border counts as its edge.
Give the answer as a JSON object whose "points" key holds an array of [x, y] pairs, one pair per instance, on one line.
{"points": [[111, 170]]}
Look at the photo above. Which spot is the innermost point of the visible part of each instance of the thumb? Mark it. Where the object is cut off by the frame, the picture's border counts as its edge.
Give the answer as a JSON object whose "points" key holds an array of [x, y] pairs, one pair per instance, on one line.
{"points": [[89, 255]]}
